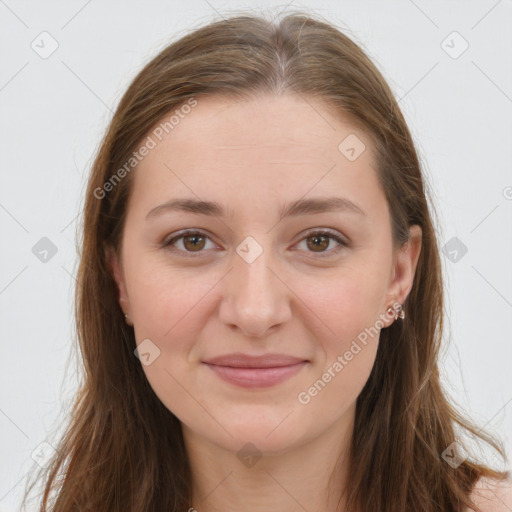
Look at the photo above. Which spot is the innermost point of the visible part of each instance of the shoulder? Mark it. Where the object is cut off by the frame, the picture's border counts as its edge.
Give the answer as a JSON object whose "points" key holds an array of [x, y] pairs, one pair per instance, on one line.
{"points": [[492, 495]]}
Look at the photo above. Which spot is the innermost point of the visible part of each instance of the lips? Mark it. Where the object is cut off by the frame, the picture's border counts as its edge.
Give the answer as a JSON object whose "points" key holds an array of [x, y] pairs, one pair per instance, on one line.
{"points": [[239, 360], [255, 371]]}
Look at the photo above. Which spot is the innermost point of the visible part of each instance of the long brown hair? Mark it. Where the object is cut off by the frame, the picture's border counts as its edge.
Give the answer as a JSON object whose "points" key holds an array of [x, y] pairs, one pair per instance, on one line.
{"points": [[123, 449]]}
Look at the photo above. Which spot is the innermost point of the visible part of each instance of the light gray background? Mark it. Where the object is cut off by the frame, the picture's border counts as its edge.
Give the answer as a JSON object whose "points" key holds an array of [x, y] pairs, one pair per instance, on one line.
{"points": [[54, 111]]}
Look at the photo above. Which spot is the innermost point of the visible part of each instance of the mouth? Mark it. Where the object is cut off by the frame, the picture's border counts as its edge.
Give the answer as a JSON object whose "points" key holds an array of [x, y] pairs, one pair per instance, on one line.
{"points": [[256, 376]]}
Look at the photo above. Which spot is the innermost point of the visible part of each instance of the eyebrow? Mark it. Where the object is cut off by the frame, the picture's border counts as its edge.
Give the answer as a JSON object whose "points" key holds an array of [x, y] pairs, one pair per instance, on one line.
{"points": [[296, 208]]}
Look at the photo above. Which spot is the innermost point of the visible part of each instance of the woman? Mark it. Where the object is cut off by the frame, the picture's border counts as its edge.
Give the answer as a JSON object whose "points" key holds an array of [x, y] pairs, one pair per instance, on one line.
{"points": [[259, 298]]}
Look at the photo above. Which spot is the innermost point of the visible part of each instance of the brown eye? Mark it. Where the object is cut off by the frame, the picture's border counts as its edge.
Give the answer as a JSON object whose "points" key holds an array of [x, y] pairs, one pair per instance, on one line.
{"points": [[187, 243], [318, 242], [194, 242]]}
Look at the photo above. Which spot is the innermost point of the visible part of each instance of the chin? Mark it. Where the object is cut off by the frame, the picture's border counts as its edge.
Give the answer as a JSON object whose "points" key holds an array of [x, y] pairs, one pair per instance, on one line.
{"points": [[268, 436], [259, 442]]}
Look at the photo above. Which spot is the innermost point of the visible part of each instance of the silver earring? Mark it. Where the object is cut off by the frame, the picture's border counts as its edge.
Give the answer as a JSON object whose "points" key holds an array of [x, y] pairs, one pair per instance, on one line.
{"points": [[398, 311]]}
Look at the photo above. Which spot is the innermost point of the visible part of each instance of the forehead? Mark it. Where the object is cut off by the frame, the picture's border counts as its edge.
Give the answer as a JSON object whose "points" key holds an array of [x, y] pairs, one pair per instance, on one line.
{"points": [[306, 126], [254, 151]]}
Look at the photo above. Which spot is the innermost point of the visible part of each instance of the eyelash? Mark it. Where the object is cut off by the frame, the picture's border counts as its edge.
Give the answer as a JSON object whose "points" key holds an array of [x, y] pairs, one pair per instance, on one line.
{"points": [[330, 234]]}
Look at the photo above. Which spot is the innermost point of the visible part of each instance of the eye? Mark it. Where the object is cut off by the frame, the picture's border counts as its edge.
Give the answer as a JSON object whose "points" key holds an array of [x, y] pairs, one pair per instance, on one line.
{"points": [[195, 241], [192, 241], [321, 240]]}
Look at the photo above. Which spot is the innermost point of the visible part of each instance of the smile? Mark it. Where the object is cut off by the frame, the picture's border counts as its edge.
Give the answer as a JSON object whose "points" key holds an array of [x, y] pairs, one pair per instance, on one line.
{"points": [[256, 377]]}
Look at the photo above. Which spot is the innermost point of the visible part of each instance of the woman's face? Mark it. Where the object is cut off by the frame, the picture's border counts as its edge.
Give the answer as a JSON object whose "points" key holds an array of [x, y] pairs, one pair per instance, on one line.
{"points": [[258, 278]]}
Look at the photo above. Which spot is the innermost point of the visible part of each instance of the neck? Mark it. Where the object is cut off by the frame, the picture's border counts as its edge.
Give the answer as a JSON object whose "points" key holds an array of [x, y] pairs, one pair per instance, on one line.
{"points": [[309, 476]]}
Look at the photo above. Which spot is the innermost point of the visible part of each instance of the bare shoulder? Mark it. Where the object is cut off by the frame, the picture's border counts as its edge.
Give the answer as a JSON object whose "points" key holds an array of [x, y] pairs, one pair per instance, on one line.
{"points": [[493, 495]]}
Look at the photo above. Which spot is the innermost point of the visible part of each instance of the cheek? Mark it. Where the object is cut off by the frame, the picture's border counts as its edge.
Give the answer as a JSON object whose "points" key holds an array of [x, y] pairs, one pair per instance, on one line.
{"points": [[330, 394], [163, 299], [347, 348], [345, 304], [170, 309], [348, 308]]}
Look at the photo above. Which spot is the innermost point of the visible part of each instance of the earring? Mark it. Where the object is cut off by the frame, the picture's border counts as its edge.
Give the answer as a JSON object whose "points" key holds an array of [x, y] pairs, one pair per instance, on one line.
{"points": [[126, 318], [398, 312]]}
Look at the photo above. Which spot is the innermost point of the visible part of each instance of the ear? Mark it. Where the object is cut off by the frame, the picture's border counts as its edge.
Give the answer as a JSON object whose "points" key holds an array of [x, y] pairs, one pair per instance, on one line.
{"points": [[115, 266], [404, 269]]}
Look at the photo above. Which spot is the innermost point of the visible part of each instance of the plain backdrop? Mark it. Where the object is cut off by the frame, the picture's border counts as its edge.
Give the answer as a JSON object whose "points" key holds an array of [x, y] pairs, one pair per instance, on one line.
{"points": [[447, 62]]}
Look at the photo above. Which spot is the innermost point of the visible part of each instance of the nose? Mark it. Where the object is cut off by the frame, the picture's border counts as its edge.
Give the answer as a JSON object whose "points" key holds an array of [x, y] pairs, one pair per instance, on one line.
{"points": [[256, 298]]}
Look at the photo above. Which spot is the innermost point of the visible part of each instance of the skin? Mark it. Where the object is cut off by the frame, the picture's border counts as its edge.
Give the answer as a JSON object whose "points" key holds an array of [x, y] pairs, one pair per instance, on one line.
{"points": [[492, 496], [292, 299]]}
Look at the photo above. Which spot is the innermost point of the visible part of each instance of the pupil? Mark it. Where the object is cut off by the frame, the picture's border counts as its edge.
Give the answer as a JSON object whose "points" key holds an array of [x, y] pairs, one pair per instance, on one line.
{"points": [[319, 239], [195, 239]]}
